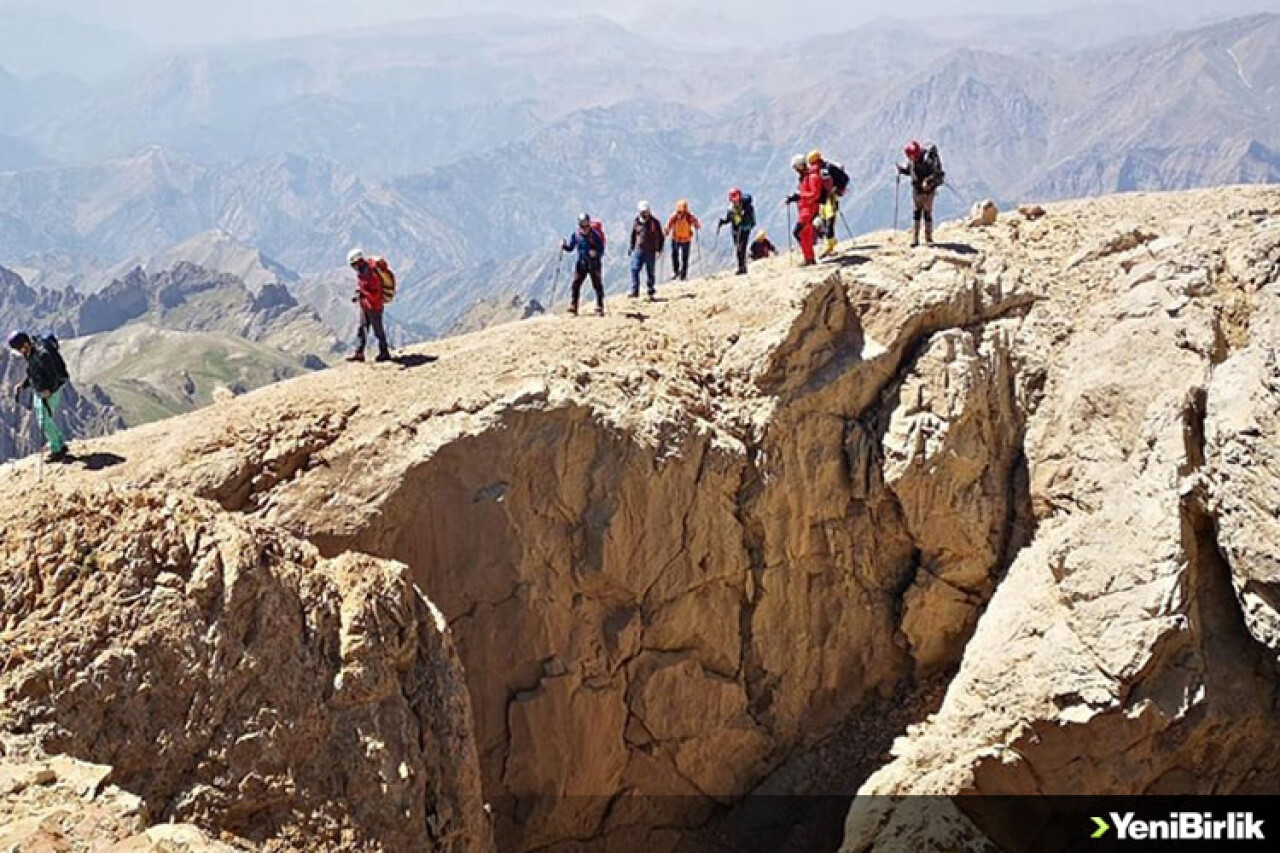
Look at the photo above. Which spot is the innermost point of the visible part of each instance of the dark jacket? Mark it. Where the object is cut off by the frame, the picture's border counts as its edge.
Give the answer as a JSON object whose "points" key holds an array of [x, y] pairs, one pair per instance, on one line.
{"points": [[761, 249], [42, 374], [742, 218], [647, 235], [923, 175], [588, 246]]}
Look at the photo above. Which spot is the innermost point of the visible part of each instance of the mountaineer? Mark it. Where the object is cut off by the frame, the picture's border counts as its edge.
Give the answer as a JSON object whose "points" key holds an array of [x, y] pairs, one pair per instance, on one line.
{"points": [[588, 242], [809, 200], [741, 219], [46, 375], [681, 228], [925, 168], [835, 180], [372, 295], [762, 248], [646, 246]]}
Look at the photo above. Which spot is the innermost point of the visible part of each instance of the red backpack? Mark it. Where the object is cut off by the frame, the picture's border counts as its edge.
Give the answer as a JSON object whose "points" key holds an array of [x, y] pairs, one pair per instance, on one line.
{"points": [[598, 227]]}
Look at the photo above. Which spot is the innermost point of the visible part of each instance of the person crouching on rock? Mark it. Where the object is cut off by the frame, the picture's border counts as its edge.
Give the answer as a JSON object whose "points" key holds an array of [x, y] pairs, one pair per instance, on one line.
{"points": [[762, 247], [588, 242], [46, 375], [369, 297]]}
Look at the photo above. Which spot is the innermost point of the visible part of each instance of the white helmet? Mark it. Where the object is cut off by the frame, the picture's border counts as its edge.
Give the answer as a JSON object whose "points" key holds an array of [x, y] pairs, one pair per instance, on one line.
{"points": [[353, 256], [643, 207], [797, 162]]}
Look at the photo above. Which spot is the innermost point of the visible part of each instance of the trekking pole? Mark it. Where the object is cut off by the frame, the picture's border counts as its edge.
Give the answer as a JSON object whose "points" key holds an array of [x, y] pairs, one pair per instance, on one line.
{"points": [[790, 259], [555, 281], [697, 241], [846, 226], [897, 193]]}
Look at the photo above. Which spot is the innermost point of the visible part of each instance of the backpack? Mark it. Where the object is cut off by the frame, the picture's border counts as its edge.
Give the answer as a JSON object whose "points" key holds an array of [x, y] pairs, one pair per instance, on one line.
{"points": [[48, 343], [388, 279], [598, 227], [934, 161], [839, 178], [748, 212]]}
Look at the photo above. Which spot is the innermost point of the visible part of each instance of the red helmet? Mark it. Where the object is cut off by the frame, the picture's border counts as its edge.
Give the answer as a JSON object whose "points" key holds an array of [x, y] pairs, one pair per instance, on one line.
{"points": [[912, 150], [735, 195]]}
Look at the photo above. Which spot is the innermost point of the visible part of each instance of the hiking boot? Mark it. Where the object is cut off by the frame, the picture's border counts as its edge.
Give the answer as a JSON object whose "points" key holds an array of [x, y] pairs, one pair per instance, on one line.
{"points": [[599, 310], [58, 455], [828, 249], [383, 356], [635, 294], [928, 234], [573, 309], [358, 355]]}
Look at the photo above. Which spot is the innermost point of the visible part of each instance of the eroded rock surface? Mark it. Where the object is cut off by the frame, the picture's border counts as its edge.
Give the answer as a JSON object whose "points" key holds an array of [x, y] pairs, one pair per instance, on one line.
{"points": [[1132, 647], [230, 677], [685, 548]]}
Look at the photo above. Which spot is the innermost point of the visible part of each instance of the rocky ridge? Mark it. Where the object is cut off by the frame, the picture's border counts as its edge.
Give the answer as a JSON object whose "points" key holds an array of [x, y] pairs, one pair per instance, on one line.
{"points": [[685, 549]]}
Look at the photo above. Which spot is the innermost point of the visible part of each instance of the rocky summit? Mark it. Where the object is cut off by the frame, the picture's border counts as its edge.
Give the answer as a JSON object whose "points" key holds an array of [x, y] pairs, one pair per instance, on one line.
{"points": [[994, 516]]}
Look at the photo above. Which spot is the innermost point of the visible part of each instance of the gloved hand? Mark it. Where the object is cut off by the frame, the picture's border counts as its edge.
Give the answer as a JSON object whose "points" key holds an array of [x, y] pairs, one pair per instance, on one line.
{"points": [[794, 198], [355, 299]]}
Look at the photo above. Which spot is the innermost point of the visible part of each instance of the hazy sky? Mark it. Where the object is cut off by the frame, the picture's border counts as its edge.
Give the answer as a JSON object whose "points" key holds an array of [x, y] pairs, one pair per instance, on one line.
{"points": [[194, 21], [184, 22]]}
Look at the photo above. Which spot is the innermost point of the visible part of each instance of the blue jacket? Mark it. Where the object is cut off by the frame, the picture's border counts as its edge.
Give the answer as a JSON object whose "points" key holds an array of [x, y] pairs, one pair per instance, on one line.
{"points": [[584, 245]]}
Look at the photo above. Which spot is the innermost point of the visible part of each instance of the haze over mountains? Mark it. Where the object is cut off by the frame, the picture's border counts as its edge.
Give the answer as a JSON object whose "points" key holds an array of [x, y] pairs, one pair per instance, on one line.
{"points": [[464, 148]]}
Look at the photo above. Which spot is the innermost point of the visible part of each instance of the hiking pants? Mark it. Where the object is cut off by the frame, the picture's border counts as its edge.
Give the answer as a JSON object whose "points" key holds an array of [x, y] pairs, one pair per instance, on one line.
{"points": [[46, 409], [741, 240], [830, 211], [680, 260], [924, 204], [371, 319], [808, 236], [579, 275], [641, 260]]}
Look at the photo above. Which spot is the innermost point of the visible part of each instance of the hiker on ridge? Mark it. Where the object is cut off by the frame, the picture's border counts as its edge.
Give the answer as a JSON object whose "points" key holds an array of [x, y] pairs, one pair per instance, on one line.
{"points": [[762, 248], [925, 169], [741, 218], [680, 228], [46, 376], [646, 245], [808, 201], [835, 180], [588, 242], [369, 295]]}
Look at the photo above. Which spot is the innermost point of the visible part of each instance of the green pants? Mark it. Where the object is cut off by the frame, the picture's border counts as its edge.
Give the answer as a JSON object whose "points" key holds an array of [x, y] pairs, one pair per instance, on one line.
{"points": [[46, 408]]}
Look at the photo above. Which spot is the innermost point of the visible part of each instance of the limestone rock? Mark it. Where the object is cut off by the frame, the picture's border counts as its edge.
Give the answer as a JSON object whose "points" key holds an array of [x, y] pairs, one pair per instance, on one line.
{"points": [[696, 552], [1132, 647], [231, 677]]}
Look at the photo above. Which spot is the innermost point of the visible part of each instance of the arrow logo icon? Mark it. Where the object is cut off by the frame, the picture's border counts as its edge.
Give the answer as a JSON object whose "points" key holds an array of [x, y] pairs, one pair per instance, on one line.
{"points": [[1102, 828]]}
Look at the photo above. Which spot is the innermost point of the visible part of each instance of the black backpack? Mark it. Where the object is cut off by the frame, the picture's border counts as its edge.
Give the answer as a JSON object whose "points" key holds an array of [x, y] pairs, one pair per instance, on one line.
{"points": [[934, 161], [748, 212], [48, 344], [839, 178]]}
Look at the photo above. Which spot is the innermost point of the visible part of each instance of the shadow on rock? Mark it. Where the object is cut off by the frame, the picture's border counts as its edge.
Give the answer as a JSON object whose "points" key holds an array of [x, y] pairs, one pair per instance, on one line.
{"points": [[415, 360], [99, 461], [958, 248]]}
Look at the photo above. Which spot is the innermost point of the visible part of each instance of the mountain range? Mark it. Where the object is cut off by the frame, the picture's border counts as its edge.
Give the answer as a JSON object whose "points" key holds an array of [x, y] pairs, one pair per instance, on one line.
{"points": [[154, 344], [464, 149]]}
